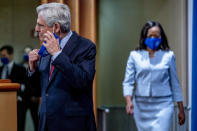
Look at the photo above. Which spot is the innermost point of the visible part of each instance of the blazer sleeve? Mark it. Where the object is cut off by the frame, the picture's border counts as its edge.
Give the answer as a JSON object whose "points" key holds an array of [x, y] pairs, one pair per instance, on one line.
{"points": [[129, 79], [33, 78], [80, 72], [174, 82]]}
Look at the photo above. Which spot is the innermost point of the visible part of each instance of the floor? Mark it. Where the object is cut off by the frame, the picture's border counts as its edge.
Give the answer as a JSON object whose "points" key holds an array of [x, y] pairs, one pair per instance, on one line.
{"points": [[29, 123]]}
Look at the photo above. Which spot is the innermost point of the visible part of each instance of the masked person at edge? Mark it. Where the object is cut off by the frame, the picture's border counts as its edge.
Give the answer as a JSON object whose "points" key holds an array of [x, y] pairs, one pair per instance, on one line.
{"points": [[17, 74], [31, 94], [25, 63], [151, 68], [65, 67]]}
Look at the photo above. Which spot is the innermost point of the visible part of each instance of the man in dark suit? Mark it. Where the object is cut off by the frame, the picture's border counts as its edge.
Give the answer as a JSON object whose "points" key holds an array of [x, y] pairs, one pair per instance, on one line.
{"points": [[65, 71], [31, 94], [17, 74]]}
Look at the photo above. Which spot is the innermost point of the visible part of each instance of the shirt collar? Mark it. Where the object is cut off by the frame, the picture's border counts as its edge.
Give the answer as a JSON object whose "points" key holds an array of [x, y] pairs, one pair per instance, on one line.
{"points": [[10, 65], [65, 40]]}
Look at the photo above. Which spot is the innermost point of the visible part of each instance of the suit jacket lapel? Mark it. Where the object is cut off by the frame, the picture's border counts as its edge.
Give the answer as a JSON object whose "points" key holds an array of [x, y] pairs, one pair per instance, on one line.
{"points": [[72, 42], [12, 71], [67, 50], [45, 53], [45, 66]]}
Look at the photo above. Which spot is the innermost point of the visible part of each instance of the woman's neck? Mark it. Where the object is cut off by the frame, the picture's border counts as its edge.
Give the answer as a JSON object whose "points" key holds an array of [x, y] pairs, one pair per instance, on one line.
{"points": [[151, 52]]}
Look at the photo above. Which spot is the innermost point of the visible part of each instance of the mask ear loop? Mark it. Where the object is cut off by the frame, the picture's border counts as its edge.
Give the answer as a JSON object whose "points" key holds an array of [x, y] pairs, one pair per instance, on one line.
{"points": [[53, 30], [55, 33], [56, 36]]}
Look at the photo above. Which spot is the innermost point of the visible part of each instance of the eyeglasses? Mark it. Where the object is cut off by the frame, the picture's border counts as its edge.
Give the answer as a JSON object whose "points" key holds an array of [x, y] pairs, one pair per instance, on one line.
{"points": [[40, 26]]}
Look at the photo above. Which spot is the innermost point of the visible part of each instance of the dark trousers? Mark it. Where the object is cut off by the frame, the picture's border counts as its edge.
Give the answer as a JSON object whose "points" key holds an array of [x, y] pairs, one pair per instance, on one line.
{"points": [[20, 115], [21, 112], [75, 123]]}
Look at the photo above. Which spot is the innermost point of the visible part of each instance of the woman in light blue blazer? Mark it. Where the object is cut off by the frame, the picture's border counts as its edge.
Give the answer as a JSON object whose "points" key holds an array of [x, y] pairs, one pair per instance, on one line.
{"points": [[151, 83]]}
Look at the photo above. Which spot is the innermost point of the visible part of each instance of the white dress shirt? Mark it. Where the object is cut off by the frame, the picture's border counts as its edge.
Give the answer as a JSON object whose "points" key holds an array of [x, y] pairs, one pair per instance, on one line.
{"points": [[7, 70]]}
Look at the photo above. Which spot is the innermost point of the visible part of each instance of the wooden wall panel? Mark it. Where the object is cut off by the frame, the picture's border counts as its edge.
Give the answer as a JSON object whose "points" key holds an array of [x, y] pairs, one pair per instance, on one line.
{"points": [[74, 9], [88, 19], [8, 106], [49, 1], [8, 111], [83, 17], [88, 29]]}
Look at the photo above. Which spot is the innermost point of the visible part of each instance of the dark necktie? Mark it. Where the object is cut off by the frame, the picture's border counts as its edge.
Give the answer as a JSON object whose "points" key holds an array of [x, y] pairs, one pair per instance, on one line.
{"points": [[7, 73], [51, 71]]}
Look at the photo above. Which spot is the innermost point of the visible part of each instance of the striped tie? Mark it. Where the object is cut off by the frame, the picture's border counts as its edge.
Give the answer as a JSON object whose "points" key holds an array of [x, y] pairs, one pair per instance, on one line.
{"points": [[51, 71]]}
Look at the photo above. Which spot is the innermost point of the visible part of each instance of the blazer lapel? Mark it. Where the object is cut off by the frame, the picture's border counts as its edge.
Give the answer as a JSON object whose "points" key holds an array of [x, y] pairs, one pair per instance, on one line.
{"points": [[45, 67], [72, 42], [45, 53]]}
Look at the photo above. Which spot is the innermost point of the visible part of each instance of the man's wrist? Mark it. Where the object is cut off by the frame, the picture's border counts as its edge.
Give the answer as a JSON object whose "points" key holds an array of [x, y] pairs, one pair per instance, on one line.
{"points": [[55, 55], [30, 73]]}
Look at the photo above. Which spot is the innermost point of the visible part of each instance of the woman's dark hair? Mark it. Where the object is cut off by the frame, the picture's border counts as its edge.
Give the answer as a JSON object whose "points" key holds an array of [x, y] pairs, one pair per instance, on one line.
{"points": [[164, 42]]}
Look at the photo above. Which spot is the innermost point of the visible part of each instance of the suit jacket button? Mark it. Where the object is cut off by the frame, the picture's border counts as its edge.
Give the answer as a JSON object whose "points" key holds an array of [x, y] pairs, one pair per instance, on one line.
{"points": [[46, 94]]}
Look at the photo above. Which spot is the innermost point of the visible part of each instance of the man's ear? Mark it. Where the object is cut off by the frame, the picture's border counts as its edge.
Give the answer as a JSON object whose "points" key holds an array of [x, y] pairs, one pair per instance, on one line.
{"points": [[56, 28]]}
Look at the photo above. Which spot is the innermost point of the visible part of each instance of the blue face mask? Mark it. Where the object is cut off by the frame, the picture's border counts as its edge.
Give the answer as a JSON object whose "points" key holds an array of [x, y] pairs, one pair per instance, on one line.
{"points": [[152, 43], [4, 60], [42, 48], [26, 57]]}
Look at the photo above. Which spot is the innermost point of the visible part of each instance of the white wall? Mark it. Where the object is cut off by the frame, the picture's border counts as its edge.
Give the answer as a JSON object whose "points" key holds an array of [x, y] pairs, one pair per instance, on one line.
{"points": [[17, 19]]}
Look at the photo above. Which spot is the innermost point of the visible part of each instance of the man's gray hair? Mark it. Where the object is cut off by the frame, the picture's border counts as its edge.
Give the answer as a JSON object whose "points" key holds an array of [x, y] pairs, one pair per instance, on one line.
{"points": [[56, 12]]}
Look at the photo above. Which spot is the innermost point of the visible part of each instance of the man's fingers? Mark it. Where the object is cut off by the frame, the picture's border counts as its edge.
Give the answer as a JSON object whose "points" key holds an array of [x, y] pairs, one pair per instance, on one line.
{"points": [[50, 34], [34, 52], [33, 55]]}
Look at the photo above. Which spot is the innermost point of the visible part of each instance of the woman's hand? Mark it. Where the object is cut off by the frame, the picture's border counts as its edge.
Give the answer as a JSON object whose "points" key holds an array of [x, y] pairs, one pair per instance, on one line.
{"points": [[181, 115], [129, 106]]}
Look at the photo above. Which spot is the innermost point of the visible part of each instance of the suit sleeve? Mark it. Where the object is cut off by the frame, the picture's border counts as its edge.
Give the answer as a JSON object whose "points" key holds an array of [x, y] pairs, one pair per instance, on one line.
{"points": [[22, 78], [174, 82], [33, 79], [79, 73], [129, 80]]}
